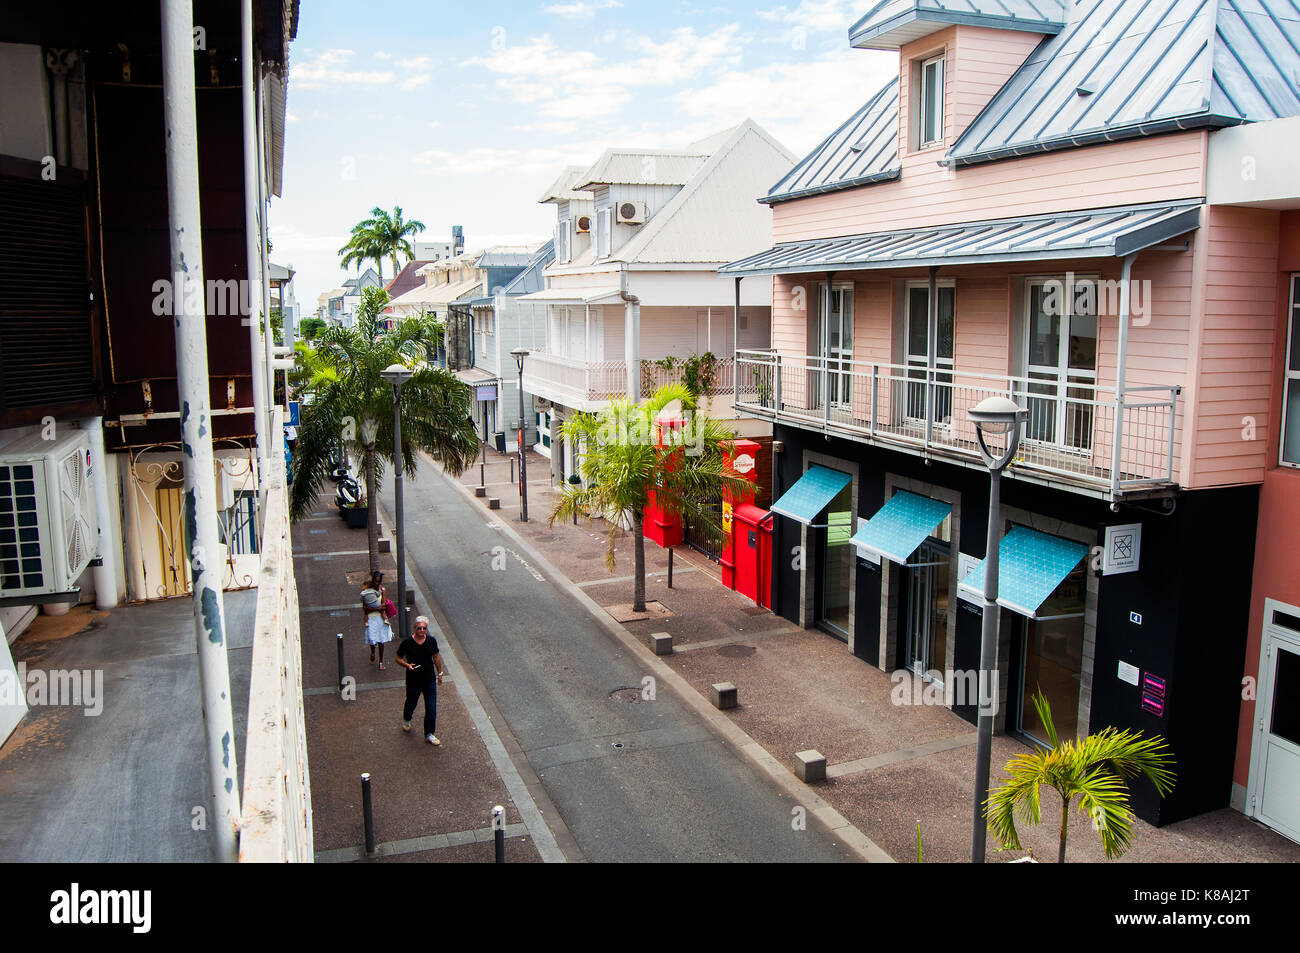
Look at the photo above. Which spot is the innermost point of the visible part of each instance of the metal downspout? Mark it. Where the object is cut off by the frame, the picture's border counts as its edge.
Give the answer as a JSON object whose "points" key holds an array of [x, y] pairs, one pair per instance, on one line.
{"points": [[631, 336], [931, 349], [826, 354], [200, 507], [105, 574], [1121, 371]]}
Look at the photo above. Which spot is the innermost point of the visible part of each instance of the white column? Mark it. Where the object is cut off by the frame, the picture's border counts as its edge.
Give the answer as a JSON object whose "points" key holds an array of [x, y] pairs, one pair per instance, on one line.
{"points": [[262, 202], [200, 506], [105, 574], [252, 234]]}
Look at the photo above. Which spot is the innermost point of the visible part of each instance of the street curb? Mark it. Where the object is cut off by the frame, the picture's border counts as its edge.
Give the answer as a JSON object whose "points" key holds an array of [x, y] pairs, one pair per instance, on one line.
{"points": [[838, 825]]}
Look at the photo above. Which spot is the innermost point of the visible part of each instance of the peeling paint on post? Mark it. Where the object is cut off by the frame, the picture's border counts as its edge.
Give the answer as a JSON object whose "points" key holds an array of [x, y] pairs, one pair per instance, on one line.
{"points": [[180, 120]]}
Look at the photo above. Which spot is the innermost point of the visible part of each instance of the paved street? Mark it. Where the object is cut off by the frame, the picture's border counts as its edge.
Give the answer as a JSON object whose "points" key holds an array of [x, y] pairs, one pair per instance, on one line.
{"points": [[632, 779]]}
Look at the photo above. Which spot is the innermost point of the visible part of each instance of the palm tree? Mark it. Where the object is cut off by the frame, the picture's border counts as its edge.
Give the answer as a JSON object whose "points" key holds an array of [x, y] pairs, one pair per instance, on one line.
{"points": [[1095, 769], [353, 404], [381, 236], [621, 464]]}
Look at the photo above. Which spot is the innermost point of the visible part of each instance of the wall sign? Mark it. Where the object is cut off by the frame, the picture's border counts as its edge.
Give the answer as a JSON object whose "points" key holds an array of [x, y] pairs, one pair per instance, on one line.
{"points": [[1128, 673], [1153, 695], [1123, 549], [485, 393], [965, 564]]}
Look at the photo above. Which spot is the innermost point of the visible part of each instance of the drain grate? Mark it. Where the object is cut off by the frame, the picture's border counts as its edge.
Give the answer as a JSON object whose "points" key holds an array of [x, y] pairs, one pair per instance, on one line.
{"points": [[628, 693]]}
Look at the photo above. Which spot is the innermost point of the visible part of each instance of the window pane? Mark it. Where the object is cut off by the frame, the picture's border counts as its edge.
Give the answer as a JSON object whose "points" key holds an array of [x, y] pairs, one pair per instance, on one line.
{"points": [[1294, 362], [917, 319], [1285, 720], [947, 317], [1291, 437]]}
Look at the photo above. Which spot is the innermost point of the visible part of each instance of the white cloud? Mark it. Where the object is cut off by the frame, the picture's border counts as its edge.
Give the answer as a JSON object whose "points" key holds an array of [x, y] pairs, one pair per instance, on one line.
{"points": [[800, 103], [289, 116], [415, 82], [580, 10], [331, 68], [816, 14]]}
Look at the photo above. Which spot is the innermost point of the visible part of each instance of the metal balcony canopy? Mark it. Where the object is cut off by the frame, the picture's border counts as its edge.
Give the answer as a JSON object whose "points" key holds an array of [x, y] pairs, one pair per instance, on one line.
{"points": [[811, 493], [602, 295], [1030, 567], [901, 526], [1096, 233], [894, 23]]}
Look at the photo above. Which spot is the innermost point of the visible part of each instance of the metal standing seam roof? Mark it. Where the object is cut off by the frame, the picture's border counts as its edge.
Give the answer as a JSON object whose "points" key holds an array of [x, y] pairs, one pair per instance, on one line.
{"points": [[1096, 233], [1128, 68], [811, 493], [891, 23], [863, 150], [1030, 566], [529, 280], [901, 525], [641, 167]]}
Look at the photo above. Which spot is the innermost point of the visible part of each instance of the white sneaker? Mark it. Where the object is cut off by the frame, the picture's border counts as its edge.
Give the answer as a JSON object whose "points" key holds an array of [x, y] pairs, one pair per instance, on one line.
{"points": [[432, 739], [406, 726]]}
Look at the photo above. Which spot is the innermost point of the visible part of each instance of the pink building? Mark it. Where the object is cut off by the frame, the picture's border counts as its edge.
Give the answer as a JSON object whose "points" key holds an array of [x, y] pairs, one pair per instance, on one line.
{"points": [[1026, 211]]}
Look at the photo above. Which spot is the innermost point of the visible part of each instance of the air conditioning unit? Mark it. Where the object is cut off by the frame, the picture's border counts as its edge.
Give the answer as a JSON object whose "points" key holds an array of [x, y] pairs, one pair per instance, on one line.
{"points": [[582, 224], [48, 533], [630, 213]]}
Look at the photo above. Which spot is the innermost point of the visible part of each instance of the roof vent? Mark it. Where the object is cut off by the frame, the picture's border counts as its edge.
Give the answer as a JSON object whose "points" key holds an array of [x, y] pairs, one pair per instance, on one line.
{"points": [[1084, 90]]}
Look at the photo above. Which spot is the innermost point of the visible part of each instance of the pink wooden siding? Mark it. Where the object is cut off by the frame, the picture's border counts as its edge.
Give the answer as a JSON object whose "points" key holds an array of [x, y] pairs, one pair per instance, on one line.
{"points": [[1120, 173], [981, 61], [1234, 354]]}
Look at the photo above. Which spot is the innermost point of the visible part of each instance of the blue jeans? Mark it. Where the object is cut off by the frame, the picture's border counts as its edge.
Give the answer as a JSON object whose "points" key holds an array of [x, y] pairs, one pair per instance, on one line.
{"points": [[430, 692]]}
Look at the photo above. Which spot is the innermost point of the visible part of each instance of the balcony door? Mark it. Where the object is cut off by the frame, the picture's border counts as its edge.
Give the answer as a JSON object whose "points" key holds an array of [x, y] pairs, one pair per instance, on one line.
{"points": [[917, 358], [835, 344], [1061, 363]]}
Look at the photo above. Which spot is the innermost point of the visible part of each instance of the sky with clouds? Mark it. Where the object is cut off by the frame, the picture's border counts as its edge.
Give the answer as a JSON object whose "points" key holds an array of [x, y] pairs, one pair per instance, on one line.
{"points": [[463, 114]]}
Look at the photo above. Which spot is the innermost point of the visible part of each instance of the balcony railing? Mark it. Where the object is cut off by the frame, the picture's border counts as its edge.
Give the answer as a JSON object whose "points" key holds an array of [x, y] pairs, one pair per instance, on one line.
{"points": [[1075, 430], [276, 806], [579, 383]]}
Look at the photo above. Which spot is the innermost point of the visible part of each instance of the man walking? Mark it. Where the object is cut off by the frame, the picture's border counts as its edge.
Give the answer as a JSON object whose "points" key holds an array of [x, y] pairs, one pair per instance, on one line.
{"points": [[419, 656]]}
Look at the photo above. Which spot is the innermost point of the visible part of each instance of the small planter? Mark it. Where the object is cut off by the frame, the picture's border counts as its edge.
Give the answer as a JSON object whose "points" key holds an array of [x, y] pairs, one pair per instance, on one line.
{"points": [[357, 517]]}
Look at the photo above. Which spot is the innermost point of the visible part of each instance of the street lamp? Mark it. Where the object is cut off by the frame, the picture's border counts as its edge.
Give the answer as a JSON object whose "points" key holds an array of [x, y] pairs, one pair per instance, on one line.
{"points": [[397, 375], [993, 417], [519, 354]]}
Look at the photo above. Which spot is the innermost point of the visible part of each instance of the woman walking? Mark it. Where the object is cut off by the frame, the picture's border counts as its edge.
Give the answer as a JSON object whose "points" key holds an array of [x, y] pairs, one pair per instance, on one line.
{"points": [[377, 630]]}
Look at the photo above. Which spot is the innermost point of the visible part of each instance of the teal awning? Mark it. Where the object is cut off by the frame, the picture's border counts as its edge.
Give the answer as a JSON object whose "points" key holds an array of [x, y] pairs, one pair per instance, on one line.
{"points": [[810, 494], [1030, 566], [901, 525]]}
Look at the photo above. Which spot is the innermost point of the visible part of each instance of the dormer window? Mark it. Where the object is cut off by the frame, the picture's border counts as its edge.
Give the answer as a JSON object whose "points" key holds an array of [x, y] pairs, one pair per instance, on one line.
{"points": [[929, 101]]}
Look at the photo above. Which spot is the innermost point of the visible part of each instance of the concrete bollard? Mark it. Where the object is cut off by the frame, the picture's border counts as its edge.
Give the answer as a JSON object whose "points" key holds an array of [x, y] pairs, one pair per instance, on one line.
{"points": [[494, 503], [810, 766], [480, 491], [661, 643], [723, 696]]}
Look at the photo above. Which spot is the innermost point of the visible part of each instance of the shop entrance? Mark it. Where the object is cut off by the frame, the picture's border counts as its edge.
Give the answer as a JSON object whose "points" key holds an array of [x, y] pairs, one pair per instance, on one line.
{"points": [[926, 584], [836, 563], [1051, 659], [1276, 751]]}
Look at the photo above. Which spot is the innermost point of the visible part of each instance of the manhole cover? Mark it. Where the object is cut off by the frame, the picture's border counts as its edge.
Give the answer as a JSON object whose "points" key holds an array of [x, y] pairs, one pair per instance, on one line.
{"points": [[626, 694], [736, 651]]}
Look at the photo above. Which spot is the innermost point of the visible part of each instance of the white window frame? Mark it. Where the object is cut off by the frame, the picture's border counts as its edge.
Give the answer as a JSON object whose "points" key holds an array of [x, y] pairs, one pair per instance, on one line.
{"points": [[1290, 378], [922, 90], [564, 241]]}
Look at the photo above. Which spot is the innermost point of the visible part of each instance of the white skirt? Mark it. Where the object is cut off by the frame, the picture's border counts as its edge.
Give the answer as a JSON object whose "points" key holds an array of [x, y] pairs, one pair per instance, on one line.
{"points": [[377, 630]]}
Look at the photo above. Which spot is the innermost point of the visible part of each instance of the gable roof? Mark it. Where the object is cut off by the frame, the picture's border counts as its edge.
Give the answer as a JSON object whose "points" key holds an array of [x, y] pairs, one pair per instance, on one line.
{"points": [[642, 167], [714, 216], [892, 23], [532, 278], [1128, 68], [406, 279], [506, 256], [562, 189], [863, 150]]}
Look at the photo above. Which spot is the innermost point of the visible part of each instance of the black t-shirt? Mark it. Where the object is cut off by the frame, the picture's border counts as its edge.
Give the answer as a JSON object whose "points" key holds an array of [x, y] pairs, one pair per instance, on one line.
{"points": [[421, 655]]}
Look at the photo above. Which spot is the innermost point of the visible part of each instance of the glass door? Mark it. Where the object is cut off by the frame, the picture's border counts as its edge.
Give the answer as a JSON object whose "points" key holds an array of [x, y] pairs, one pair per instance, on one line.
{"points": [[837, 349], [927, 606], [1051, 659], [1061, 355], [917, 340], [836, 565]]}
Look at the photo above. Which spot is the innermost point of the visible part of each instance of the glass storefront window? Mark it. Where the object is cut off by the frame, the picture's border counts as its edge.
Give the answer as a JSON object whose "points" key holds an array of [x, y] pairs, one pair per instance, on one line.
{"points": [[1052, 658], [837, 564]]}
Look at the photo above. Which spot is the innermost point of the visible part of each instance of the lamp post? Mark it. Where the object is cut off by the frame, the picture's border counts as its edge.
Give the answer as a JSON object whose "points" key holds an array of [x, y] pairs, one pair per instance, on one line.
{"points": [[397, 375], [993, 416], [519, 354]]}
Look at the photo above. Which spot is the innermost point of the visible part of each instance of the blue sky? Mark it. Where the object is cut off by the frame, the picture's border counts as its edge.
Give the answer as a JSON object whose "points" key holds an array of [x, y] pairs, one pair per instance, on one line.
{"points": [[463, 114]]}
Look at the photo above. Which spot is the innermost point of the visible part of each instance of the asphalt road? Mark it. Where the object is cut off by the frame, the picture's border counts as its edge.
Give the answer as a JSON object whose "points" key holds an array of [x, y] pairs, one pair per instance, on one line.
{"points": [[633, 780]]}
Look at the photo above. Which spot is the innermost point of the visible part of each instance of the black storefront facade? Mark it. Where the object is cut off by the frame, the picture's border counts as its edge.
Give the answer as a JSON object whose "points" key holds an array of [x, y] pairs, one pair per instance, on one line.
{"points": [[1156, 645]]}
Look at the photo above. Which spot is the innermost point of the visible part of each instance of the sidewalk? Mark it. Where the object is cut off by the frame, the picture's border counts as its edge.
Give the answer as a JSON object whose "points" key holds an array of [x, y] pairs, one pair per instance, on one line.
{"points": [[890, 766], [431, 804]]}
